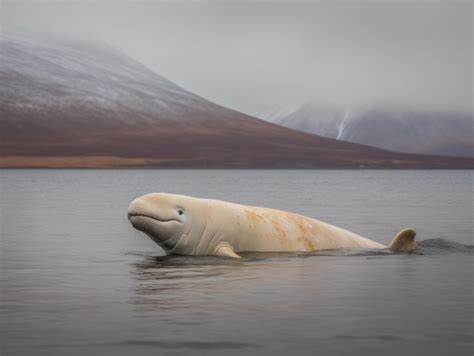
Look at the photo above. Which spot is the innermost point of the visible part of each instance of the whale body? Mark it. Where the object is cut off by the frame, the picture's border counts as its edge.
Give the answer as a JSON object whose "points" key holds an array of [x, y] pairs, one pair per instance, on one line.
{"points": [[186, 225]]}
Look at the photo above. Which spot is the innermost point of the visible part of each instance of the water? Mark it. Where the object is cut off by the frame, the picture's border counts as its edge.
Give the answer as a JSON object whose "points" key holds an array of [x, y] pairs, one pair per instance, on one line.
{"points": [[76, 279]]}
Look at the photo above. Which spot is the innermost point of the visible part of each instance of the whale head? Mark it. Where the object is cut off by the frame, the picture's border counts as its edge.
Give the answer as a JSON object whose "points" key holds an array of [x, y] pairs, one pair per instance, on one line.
{"points": [[170, 220]]}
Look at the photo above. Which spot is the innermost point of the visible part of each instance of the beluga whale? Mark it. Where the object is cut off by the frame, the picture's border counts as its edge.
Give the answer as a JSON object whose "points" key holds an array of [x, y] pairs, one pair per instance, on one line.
{"points": [[186, 225]]}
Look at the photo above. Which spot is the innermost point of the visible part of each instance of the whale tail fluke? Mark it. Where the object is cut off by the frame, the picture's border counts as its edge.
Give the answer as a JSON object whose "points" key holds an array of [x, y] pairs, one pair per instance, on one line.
{"points": [[404, 241]]}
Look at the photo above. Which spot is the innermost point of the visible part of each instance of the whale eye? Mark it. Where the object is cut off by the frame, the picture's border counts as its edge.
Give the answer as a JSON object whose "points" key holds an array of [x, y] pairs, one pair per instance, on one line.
{"points": [[180, 211]]}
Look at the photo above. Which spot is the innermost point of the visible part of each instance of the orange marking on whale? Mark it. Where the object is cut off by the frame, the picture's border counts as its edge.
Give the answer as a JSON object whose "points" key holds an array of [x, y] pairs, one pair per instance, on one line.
{"points": [[303, 233]]}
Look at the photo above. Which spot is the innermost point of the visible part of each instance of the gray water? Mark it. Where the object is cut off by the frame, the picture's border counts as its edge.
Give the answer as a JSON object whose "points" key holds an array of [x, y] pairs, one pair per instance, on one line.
{"points": [[77, 279]]}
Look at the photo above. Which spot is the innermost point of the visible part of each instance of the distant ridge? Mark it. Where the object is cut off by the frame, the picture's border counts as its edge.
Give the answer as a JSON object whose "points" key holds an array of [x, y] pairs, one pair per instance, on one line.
{"points": [[409, 131], [66, 103]]}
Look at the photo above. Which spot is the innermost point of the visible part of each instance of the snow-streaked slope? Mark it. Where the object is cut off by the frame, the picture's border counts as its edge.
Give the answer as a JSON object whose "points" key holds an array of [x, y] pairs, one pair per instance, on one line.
{"points": [[40, 74], [392, 129]]}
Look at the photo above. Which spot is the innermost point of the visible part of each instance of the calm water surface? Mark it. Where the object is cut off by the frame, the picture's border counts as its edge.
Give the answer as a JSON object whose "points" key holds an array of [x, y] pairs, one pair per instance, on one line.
{"points": [[77, 279]]}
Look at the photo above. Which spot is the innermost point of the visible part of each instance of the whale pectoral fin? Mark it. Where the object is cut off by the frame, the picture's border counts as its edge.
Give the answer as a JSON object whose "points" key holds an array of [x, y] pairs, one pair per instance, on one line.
{"points": [[226, 251], [404, 241]]}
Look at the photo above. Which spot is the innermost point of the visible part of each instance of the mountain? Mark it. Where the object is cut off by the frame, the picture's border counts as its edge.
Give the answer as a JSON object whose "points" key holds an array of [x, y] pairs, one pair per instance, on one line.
{"points": [[410, 131], [67, 103]]}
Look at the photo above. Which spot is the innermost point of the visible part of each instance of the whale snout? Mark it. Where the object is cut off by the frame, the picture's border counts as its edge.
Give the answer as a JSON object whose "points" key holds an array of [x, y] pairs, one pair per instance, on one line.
{"points": [[158, 216], [153, 207], [135, 208], [138, 215]]}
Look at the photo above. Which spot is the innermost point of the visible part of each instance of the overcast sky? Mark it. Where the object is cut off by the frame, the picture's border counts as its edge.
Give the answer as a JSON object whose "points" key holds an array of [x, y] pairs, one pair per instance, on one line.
{"points": [[251, 55]]}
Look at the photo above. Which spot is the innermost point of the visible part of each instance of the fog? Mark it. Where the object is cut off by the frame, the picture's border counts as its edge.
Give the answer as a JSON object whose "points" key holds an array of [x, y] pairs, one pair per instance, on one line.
{"points": [[252, 56]]}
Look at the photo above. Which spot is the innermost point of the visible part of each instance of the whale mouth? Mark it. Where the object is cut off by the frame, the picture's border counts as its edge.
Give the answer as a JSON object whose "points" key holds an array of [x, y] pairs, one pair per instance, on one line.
{"points": [[163, 232], [131, 216], [159, 230]]}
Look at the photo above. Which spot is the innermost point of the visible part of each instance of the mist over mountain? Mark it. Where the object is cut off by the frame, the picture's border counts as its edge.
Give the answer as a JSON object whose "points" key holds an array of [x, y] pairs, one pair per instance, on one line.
{"points": [[409, 130], [246, 55], [69, 103]]}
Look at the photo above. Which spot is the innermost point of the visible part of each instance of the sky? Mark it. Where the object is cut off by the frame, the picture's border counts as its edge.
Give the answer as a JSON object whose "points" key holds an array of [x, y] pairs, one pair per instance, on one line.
{"points": [[253, 56]]}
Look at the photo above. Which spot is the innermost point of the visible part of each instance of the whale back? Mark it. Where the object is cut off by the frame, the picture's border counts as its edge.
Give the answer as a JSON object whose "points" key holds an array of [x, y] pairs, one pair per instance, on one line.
{"points": [[257, 229]]}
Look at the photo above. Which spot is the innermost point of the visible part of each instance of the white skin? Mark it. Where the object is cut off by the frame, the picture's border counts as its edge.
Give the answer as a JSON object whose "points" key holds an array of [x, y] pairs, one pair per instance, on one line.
{"points": [[191, 226]]}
